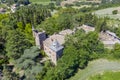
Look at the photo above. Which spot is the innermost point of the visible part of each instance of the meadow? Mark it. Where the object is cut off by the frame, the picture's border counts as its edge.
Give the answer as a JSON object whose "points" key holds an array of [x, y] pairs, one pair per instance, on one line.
{"points": [[44, 2], [95, 67], [106, 76], [108, 13]]}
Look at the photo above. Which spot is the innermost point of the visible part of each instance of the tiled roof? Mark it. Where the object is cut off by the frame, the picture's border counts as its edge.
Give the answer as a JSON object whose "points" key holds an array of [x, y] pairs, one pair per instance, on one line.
{"points": [[60, 37]]}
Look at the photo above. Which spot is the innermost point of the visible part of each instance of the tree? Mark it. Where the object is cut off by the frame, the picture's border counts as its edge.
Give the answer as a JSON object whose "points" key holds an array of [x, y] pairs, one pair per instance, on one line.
{"points": [[16, 44], [8, 74], [117, 31], [115, 12], [28, 63], [101, 25], [33, 14], [57, 23], [116, 51]]}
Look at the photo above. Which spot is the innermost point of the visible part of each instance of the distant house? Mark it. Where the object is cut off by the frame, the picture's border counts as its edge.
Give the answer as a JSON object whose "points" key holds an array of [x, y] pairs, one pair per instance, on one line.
{"points": [[2, 10], [14, 7], [63, 3], [86, 28], [94, 1], [109, 39]]}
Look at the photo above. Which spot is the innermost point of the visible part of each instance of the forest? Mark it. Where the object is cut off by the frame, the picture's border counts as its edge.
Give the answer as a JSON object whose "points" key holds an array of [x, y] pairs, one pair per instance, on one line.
{"points": [[17, 45]]}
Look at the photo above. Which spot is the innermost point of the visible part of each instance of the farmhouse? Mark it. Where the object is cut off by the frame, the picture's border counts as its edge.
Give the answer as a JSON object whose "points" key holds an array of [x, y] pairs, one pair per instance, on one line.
{"points": [[2, 10], [109, 39], [63, 3], [86, 28], [52, 45], [14, 7]]}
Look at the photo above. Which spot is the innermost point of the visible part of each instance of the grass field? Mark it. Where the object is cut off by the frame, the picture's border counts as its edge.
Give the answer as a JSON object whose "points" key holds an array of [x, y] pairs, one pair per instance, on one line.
{"points": [[95, 67], [44, 2], [2, 5], [108, 12], [106, 76]]}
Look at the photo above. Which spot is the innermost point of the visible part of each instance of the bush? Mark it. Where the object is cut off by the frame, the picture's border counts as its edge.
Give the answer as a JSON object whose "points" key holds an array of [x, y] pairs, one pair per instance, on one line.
{"points": [[114, 11]]}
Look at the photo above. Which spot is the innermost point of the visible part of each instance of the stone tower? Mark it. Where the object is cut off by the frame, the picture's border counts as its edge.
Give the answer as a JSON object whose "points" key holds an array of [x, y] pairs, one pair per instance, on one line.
{"points": [[56, 51], [39, 37]]}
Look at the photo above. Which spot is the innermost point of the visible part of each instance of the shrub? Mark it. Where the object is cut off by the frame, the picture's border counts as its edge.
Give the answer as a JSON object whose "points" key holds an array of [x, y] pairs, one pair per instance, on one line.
{"points": [[114, 11]]}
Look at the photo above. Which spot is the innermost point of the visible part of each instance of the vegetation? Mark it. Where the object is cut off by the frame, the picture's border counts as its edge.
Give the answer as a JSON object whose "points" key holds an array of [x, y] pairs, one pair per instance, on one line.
{"points": [[98, 66], [9, 2], [33, 14], [17, 44], [29, 62], [106, 76], [44, 2], [16, 38], [115, 12]]}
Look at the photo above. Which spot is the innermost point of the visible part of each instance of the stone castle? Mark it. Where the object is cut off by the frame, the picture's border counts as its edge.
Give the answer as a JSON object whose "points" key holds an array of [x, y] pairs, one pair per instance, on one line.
{"points": [[53, 45]]}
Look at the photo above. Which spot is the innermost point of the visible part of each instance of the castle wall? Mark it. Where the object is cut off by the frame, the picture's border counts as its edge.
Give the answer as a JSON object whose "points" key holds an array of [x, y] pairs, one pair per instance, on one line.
{"points": [[51, 54]]}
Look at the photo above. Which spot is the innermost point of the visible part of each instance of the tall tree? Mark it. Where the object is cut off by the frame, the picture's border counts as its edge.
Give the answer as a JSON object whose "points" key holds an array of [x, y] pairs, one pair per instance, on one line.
{"points": [[16, 44], [28, 63]]}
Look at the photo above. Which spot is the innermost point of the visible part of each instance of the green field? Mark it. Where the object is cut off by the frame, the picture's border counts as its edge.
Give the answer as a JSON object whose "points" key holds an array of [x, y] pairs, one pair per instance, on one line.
{"points": [[40, 1], [2, 5], [95, 67], [108, 12], [106, 76]]}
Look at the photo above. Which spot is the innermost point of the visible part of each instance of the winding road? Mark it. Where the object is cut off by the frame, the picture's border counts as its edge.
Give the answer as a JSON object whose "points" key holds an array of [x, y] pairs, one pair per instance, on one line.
{"points": [[96, 66]]}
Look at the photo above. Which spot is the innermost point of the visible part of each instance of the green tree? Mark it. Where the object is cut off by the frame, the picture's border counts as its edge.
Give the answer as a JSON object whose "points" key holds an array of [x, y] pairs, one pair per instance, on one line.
{"points": [[117, 31], [114, 12], [16, 44], [116, 51], [8, 74], [33, 14], [28, 63]]}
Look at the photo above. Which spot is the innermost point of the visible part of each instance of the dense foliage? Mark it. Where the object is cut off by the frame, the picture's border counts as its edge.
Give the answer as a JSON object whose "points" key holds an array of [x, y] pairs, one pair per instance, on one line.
{"points": [[16, 42], [28, 62], [33, 14], [25, 2], [16, 36]]}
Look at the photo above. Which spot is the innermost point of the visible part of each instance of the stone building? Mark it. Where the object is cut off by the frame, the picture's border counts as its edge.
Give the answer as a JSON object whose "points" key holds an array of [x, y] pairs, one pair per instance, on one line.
{"points": [[86, 28], [52, 45], [109, 39], [2, 10], [39, 37]]}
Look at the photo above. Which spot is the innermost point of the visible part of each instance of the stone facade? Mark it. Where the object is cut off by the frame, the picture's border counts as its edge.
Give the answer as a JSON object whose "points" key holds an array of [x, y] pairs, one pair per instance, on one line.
{"points": [[50, 45], [54, 51], [39, 37]]}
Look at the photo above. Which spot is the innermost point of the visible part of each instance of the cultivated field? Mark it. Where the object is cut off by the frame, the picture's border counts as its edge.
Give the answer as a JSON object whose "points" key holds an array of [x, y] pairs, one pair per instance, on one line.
{"points": [[108, 12], [40, 1], [95, 67]]}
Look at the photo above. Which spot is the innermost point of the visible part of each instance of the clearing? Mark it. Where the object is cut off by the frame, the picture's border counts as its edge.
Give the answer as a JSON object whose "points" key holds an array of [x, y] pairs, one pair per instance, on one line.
{"points": [[106, 76], [95, 67], [108, 12], [44, 2]]}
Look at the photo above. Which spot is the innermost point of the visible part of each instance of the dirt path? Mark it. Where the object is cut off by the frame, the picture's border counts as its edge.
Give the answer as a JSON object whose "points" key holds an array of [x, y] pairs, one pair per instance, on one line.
{"points": [[97, 66]]}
